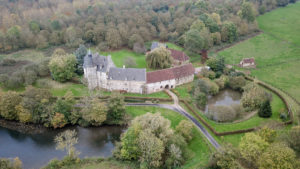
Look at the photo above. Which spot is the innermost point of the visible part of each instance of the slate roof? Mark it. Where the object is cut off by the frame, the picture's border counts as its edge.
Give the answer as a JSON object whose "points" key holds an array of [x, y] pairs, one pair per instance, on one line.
{"points": [[179, 55], [102, 62], [129, 74], [171, 73], [156, 45]]}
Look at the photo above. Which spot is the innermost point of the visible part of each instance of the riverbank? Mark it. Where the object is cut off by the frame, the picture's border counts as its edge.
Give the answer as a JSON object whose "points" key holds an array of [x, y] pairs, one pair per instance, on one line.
{"points": [[23, 128]]}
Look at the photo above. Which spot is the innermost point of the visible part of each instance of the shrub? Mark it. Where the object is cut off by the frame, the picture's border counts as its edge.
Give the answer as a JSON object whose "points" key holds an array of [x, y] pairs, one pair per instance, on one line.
{"points": [[222, 82], [43, 69], [201, 100], [8, 62], [30, 77], [3, 78], [15, 81], [254, 96], [265, 110], [8, 102], [237, 82], [221, 113], [213, 87], [185, 129]]}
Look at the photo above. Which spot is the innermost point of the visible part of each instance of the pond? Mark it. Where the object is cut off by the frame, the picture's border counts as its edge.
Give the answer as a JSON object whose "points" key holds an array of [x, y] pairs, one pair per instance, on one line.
{"points": [[36, 150], [225, 97]]}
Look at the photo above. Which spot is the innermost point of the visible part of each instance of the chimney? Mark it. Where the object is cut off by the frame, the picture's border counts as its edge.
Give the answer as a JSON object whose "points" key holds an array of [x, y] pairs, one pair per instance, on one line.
{"points": [[123, 66]]}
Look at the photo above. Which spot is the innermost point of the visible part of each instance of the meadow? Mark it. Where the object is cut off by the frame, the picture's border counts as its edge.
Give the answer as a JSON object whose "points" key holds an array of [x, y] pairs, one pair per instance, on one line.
{"points": [[276, 51]]}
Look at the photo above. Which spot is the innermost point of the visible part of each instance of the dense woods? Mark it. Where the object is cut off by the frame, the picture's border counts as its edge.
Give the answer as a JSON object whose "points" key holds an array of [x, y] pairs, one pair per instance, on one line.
{"points": [[114, 24]]}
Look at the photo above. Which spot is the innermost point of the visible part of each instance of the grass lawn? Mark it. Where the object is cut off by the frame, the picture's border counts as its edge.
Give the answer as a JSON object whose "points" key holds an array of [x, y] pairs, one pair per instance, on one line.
{"points": [[198, 147], [120, 56], [276, 51]]}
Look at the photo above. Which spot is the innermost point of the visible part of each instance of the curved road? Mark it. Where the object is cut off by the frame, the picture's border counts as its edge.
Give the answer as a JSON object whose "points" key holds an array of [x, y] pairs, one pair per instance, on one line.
{"points": [[180, 110]]}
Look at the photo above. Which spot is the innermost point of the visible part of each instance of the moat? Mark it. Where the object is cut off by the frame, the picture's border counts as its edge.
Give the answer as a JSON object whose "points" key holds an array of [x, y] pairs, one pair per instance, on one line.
{"points": [[36, 150]]}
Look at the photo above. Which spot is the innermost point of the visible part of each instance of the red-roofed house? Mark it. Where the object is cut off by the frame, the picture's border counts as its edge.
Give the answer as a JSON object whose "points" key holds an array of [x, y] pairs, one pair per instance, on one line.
{"points": [[247, 63], [169, 78], [179, 56]]}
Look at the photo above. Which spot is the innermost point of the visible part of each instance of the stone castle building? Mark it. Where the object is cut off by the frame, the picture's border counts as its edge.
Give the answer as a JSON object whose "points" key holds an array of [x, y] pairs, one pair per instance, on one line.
{"points": [[101, 72]]}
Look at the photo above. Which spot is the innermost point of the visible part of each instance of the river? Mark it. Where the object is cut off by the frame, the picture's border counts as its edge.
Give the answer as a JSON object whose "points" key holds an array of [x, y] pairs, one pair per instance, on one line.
{"points": [[36, 150]]}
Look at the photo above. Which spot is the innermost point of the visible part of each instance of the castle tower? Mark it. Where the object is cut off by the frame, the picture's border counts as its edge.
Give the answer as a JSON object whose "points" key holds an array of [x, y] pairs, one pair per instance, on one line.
{"points": [[90, 71]]}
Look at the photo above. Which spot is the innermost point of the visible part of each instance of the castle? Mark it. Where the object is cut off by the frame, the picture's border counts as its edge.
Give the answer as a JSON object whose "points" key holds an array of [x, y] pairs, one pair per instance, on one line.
{"points": [[100, 71]]}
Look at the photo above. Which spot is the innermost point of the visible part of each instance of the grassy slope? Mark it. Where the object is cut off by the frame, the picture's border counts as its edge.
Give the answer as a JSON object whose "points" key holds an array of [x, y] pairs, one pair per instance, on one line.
{"points": [[200, 151], [276, 51]]}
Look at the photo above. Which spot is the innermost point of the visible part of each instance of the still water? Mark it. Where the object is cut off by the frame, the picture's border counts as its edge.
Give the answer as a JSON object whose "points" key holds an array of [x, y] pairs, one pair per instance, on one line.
{"points": [[225, 97], [36, 150]]}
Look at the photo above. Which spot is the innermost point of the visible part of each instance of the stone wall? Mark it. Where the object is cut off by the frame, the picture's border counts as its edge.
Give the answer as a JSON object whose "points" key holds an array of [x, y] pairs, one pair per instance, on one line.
{"points": [[183, 80], [91, 76], [159, 86], [129, 86]]}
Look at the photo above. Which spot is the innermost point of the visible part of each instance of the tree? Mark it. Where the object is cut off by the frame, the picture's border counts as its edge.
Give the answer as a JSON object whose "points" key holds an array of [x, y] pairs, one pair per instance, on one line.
{"points": [[58, 120], [185, 129], [229, 32], [151, 148], [269, 135], [113, 38], [293, 138], [95, 112], [252, 146], [9, 164], [159, 58], [62, 68], [8, 102], [236, 82], [278, 156], [66, 141], [265, 110], [116, 108], [225, 158], [248, 11], [80, 53], [24, 115]]}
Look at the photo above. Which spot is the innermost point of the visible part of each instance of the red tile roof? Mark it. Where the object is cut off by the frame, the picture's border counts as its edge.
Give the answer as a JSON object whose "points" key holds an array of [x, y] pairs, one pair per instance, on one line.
{"points": [[179, 55], [248, 60], [171, 73]]}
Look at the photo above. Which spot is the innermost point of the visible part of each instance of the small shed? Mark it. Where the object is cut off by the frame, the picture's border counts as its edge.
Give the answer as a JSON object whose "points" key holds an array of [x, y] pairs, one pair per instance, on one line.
{"points": [[247, 63]]}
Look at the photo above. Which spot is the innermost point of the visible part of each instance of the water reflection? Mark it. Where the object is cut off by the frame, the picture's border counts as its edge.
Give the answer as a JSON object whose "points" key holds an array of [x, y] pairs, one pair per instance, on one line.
{"points": [[35, 150], [225, 97]]}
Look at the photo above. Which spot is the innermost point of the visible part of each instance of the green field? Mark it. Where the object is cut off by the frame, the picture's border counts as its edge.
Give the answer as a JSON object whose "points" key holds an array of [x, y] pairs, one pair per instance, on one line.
{"points": [[199, 148], [276, 51]]}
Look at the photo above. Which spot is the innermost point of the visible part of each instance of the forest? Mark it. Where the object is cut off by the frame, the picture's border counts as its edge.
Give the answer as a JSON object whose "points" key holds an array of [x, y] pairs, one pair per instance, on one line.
{"points": [[124, 23]]}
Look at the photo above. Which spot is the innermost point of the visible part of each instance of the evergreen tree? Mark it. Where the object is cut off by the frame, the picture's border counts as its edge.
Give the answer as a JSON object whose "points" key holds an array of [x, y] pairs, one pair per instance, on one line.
{"points": [[80, 54], [265, 110]]}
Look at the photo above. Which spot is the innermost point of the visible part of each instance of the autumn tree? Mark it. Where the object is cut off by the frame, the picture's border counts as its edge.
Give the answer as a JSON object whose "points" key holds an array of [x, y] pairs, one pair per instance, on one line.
{"points": [[248, 12], [252, 146], [159, 58], [58, 120], [8, 102], [63, 68], [185, 128], [94, 112], [278, 155], [66, 141], [113, 38]]}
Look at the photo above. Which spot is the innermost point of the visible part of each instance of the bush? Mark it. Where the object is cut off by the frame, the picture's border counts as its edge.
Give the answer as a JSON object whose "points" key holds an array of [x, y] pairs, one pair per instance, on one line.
{"points": [[265, 110], [43, 69], [222, 82], [8, 62], [30, 77], [221, 113], [254, 96], [3, 78], [237, 82], [201, 100], [15, 81]]}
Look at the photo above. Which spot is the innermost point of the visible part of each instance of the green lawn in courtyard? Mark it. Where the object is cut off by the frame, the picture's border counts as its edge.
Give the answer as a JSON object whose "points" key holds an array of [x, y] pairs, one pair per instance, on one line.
{"points": [[120, 56], [276, 51], [199, 148]]}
